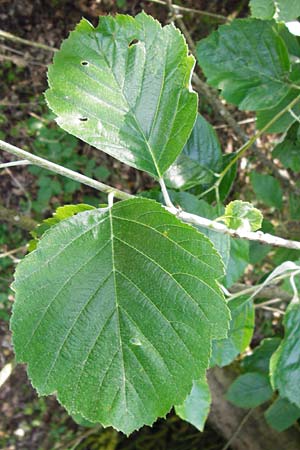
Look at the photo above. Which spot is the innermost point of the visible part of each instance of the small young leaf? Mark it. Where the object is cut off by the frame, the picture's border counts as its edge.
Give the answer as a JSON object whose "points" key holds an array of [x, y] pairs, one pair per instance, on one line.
{"points": [[267, 189], [196, 406], [199, 160], [242, 215], [259, 360], [282, 414], [288, 150], [249, 61], [224, 351], [285, 362], [127, 91], [115, 312], [250, 390]]}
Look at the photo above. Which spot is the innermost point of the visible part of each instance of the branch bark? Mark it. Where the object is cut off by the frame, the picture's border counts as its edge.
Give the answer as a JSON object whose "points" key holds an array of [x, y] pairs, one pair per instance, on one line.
{"points": [[186, 217]]}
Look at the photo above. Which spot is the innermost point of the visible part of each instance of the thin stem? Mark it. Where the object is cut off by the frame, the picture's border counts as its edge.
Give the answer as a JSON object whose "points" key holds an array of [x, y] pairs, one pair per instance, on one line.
{"points": [[186, 217], [6, 372], [267, 303], [295, 86], [60, 170], [259, 287], [294, 116], [243, 421], [191, 10], [276, 310], [167, 200], [22, 162], [14, 38], [257, 236], [12, 252]]}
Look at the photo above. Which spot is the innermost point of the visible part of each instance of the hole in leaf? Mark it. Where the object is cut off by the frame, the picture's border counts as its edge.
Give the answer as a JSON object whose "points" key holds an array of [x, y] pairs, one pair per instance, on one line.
{"points": [[83, 119], [133, 42], [84, 63]]}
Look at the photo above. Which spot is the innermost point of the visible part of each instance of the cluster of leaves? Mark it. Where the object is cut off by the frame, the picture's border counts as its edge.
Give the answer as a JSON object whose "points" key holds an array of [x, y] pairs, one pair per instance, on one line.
{"points": [[119, 309]]}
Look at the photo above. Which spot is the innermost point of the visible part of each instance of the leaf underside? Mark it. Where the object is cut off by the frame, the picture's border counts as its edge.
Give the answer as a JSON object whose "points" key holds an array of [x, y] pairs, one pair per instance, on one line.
{"points": [[115, 312], [124, 88]]}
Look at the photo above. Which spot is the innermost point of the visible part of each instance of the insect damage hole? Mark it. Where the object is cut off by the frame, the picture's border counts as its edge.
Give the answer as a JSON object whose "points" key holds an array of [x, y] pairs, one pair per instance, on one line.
{"points": [[133, 42], [83, 119], [84, 63]]}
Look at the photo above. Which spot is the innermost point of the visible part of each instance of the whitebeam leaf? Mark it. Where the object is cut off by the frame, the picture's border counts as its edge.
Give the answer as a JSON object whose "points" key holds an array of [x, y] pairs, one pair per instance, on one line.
{"points": [[124, 87], [115, 312]]}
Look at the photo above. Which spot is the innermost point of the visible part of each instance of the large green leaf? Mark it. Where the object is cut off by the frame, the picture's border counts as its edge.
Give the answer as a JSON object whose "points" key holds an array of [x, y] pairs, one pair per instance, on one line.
{"points": [[115, 312], [248, 61], [250, 390], [200, 159], [285, 362], [224, 351], [124, 87], [196, 406], [282, 414]]}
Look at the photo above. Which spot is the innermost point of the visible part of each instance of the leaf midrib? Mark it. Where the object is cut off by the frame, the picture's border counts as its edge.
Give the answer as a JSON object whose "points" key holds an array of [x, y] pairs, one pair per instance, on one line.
{"points": [[129, 108]]}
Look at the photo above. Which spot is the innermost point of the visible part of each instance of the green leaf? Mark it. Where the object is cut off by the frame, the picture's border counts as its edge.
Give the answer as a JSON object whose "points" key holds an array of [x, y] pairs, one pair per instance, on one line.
{"points": [[259, 360], [292, 43], [250, 390], [199, 160], [242, 215], [262, 9], [115, 312], [192, 204], [224, 351], [248, 61], [257, 250], [196, 406], [288, 9], [285, 362], [228, 180], [82, 421], [288, 150], [267, 189], [285, 121], [281, 10], [282, 414], [238, 261], [127, 91]]}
